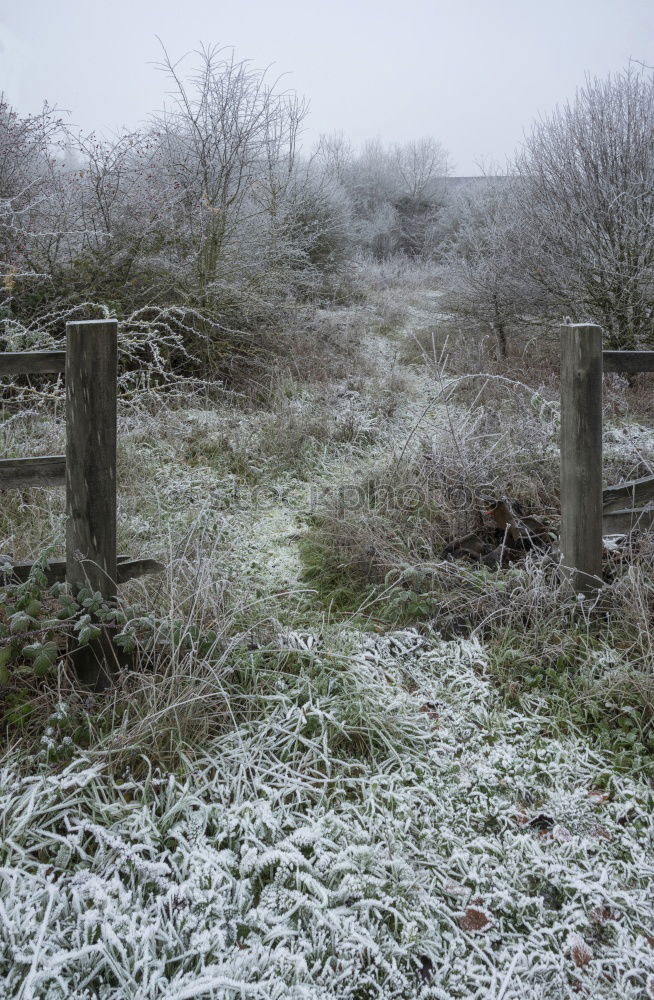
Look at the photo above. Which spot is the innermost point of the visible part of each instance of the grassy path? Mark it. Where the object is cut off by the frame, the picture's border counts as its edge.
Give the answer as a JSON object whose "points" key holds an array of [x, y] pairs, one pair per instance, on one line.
{"points": [[365, 817]]}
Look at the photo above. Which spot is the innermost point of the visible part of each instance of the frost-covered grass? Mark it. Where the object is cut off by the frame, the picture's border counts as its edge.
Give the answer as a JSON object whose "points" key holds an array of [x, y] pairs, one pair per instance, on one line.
{"points": [[455, 850], [281, 802]]}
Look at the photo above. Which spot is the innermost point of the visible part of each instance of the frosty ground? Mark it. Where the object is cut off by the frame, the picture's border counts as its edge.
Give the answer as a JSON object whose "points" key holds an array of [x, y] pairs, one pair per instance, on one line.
{"points": [[463, 853], [364, 814]]}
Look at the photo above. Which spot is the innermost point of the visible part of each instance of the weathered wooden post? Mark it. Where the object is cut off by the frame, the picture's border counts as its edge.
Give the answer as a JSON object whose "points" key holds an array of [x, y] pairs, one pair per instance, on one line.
{"points": [[581, 456], [91, 371]]}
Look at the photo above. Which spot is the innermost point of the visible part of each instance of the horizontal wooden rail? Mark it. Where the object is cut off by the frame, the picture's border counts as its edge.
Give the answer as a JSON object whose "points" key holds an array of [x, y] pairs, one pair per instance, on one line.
{"points": [[621, 522], [132, 569], [629, 495], [55, 572], [19, 473], [630, 362], [32, 363]]}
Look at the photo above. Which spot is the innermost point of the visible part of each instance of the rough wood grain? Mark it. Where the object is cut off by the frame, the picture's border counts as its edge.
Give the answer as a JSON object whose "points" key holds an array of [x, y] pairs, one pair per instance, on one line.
{"points": [[629, 362], [32, 363], [20, 473], [621, 522], [634, 493], [131, 569], [91, 371], [581, 456], [55, 571]]}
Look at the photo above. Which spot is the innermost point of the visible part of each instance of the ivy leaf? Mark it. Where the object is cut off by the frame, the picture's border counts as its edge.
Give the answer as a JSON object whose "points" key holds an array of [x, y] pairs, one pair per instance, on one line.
{"points": [[107, 614], [86, 630], [50, 623], [45, 659], [68, 610], [81, 622]]}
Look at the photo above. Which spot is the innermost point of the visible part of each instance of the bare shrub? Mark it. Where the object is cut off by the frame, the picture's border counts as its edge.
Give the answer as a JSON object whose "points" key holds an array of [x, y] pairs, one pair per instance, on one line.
{"points": [[390, 526], [397, 193], [482, 278], [28, 176], [585, 204]]}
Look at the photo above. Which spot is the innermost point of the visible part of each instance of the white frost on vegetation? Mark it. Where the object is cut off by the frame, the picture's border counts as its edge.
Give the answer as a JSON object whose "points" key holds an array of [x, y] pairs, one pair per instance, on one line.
{"points": [[382, 830]]}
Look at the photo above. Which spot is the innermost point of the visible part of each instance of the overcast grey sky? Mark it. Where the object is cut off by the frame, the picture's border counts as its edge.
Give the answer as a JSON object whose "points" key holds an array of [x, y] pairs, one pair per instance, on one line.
{"points": [[472, 73]]}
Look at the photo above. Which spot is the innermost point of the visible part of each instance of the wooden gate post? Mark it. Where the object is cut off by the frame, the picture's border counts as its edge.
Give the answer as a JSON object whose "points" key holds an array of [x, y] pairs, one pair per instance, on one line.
{"points": [[581, 456], [91, 371]]}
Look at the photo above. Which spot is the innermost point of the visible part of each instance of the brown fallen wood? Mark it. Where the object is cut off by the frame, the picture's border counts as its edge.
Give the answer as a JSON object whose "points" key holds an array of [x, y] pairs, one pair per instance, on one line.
{"points": [[467, 547], [55, 572], [524, 529]]}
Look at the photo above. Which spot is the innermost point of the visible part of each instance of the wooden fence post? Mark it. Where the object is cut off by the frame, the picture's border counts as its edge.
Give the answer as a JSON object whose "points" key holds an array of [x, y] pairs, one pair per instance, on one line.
{"points": [[91, 371], [581, 456]]}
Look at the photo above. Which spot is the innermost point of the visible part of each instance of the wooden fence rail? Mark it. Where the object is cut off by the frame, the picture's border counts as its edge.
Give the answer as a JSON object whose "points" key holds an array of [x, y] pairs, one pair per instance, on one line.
{"points": [[18, 473], [629, 362], [88, 471], [32, 363], [55, 570], [587, 511]]}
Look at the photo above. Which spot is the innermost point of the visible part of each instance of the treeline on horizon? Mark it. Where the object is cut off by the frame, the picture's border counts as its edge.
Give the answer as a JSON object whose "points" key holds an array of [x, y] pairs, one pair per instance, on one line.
{"points": [[213, 209]]}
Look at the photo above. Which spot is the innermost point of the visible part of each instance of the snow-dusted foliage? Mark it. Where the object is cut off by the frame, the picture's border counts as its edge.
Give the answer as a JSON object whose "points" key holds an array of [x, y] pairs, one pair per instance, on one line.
{"points": [[391, 834], [397, 193], [585, 207]]}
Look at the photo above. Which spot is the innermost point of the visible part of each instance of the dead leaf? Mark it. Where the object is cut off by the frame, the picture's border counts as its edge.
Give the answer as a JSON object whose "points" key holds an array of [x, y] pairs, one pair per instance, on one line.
{"points": [[580, 952], [475, 918]]}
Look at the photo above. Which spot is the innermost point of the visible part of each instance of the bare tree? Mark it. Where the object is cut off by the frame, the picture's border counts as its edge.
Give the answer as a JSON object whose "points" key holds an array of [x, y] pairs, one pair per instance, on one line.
{"points": [[226, 147], [335, 152], [28, 168], [484, 280], [124, 213], [397, 195], [586, 204], [420, 165]]}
